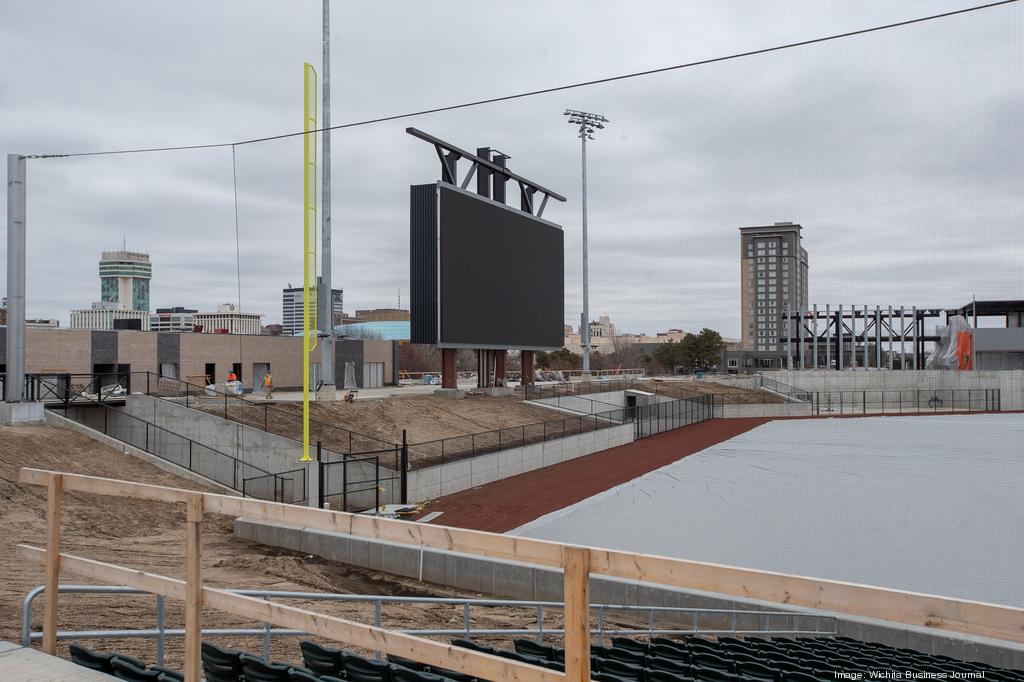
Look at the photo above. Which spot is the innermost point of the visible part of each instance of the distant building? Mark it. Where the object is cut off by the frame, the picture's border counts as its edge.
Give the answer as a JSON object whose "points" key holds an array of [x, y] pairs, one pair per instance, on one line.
{"points": [[773, 278], [124, 278], [382, 315], [383, 330], [176, 319], [292, 309], [229, 320], [272, 330], [42, 323], [124, 293], [102, 315]]}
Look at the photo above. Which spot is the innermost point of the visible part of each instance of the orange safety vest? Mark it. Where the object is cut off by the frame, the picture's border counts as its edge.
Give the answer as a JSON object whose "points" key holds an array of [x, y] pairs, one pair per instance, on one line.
{"points": [[267, 381]]}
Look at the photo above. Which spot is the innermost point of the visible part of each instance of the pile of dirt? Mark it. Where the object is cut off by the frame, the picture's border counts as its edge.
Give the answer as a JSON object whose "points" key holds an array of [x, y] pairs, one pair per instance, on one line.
{"points": [[375, 423], [150, 536], [724, 394]]}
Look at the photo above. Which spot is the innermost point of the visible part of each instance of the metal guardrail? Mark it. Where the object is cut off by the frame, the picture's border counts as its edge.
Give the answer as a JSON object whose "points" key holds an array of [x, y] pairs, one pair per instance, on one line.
{"points": [[907, 402], [160, 632], [786, 390], [213, 464]]}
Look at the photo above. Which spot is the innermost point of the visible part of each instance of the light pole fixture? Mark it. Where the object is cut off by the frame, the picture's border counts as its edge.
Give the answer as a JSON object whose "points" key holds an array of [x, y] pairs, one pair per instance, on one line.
{"points": [[586, 123]]}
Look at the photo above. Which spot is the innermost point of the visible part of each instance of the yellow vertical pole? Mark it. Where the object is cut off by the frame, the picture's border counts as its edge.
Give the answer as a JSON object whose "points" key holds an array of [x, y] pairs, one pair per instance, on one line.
{"points": [[309, 325]]}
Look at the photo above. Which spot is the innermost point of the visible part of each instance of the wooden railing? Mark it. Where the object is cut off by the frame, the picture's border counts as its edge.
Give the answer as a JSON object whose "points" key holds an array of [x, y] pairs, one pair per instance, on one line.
{"points": [[578, 564]]}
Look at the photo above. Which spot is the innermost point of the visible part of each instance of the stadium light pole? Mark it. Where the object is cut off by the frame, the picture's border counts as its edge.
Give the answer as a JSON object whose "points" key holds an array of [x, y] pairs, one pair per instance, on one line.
{"points": [[586, 123], [325, 298]]}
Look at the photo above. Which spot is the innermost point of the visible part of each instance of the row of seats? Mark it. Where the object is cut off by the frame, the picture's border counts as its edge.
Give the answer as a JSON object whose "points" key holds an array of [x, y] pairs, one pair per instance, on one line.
{"points": [[689, 659], [122, 666]]}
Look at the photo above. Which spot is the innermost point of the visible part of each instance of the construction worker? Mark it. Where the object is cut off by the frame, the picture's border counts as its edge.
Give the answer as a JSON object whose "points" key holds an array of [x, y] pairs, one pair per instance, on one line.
{"points": [[268, 385]]}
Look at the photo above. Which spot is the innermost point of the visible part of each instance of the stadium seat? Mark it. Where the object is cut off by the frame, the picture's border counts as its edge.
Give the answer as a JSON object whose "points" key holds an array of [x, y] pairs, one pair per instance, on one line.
{"points": [[123, 670], [605, 677], [707, 660], [627, 644], [662, 676], [219, 664], [626, 671], [400, 674], [469, 644], [799, 677], [93, 660], [301, 675], [321, 660], [669, 651], [756, 671], [168, 674], [359, 669], [528, 647], [256, 670], [668, 665], [666, 641], [408, 663], [624, 655], [711, 674]]}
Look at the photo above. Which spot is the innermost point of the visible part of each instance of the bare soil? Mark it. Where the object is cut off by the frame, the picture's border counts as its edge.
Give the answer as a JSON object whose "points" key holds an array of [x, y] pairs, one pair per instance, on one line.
{"points": [[376, 423], [724, 393], [149, 536]]}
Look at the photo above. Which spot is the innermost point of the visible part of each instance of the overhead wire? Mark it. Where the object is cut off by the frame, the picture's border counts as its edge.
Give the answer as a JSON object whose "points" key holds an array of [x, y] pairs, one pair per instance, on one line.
{"points": [[543, 91]]}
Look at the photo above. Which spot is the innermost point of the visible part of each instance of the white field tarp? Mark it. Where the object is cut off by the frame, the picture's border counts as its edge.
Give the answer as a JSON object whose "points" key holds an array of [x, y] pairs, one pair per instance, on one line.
{"points": [[932, 504]]}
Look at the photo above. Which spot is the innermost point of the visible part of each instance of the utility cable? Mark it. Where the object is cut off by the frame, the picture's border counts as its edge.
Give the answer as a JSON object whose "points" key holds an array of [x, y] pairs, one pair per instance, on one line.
{"points": [[544, 91]]}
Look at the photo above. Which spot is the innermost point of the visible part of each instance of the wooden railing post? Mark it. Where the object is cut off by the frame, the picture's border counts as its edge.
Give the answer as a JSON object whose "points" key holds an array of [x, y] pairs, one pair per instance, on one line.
{"points": [[193, 587], [577, 614], [53, 494]]}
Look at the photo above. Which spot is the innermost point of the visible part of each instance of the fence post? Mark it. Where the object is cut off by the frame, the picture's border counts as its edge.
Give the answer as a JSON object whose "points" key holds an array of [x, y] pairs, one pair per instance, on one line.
{"points": [[53, 495], [376, 483], [576, 563], [404, 466], [193, 587], [344, 483], [161, 635], [319, 477]]}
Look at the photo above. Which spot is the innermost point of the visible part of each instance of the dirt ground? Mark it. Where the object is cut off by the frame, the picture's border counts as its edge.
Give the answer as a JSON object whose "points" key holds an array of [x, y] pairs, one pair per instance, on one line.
{"points": [[379, 422], [149, 536], [502, 506], [724, 393]]}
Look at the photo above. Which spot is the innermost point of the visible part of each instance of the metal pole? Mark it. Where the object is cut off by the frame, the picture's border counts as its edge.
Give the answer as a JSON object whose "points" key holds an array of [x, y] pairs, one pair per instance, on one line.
{"points": [[890, 337], [326, 300], [903, 338], [915, 337], [828, 336], [866, 361], [878, 337], [839, 333], [585, 331], [789, 339], [814, 351], [974, 334], [14, 385], [801, 362], [405, 467]]}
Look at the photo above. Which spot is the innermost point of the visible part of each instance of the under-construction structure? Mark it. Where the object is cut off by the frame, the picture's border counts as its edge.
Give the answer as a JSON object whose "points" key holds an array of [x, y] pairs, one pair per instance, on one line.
{"points": [[843, 337]]}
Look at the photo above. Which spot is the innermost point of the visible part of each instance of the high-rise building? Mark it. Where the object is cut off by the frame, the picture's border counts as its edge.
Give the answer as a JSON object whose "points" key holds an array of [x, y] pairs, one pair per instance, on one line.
{"points": [[124, 278], [292, 315], [773, 277]]}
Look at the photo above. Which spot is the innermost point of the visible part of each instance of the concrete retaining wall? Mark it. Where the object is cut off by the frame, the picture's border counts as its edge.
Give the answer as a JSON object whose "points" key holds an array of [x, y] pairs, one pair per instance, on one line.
{"points": [[1010, 383], [452, 477], [764, 410], [517, 580]]}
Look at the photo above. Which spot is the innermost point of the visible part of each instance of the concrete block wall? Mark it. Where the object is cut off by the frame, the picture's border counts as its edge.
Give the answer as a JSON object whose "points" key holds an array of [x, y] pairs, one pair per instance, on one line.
{"points": [[1010, 382], [452, 477], [516, 580]]}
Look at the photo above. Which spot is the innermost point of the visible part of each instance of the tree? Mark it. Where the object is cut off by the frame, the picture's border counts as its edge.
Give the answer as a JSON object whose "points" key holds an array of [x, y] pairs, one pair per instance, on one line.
{"points": [[701, 351]]}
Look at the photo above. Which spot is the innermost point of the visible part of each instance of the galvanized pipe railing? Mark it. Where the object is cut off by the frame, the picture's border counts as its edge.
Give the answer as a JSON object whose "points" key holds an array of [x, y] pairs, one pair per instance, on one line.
{"points": [[161, 633]]}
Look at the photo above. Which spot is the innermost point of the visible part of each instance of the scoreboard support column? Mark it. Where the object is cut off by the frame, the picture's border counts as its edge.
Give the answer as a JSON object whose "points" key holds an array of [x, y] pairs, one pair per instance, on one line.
{"points": [[449, 377], [526, 363]]}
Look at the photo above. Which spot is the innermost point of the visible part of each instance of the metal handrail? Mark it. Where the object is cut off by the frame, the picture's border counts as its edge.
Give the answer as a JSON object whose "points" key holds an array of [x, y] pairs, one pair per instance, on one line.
{"points": [[77, 399], [160, 633]]}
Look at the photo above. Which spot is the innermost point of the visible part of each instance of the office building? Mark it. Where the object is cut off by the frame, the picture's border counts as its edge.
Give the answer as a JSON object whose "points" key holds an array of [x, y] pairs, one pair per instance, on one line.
{"points": [[101, 316], [292, 315], [773, 278], [229, 320], [176, 319], [124, 278]]}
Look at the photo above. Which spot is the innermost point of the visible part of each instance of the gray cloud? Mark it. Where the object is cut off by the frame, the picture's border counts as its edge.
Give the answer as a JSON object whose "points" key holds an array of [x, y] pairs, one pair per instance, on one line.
{"points": [[899, 152]]}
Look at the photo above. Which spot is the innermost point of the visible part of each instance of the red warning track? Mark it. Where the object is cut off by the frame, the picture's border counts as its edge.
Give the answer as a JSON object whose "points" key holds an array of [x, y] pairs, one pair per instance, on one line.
{"points": [[511, 502]]}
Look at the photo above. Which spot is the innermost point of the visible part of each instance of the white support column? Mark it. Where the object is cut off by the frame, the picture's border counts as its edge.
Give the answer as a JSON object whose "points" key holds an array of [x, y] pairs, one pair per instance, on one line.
{"points": [[878, 337], [828, 336], [866, 360], [814, 350], [903, 339], [839, 332], [914, 336], [889, 345]]}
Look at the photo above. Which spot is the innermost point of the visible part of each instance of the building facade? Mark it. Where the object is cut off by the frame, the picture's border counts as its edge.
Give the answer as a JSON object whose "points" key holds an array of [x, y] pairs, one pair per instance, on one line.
{"points": [[102, 315], [773, 278], [229, 320], [383, 315], [124, 278], [176, 319], [292, 309]]}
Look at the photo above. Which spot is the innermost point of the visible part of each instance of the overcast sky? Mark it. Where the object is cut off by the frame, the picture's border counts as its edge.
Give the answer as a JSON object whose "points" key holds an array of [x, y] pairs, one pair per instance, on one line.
{"points": [[899, 152]]}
